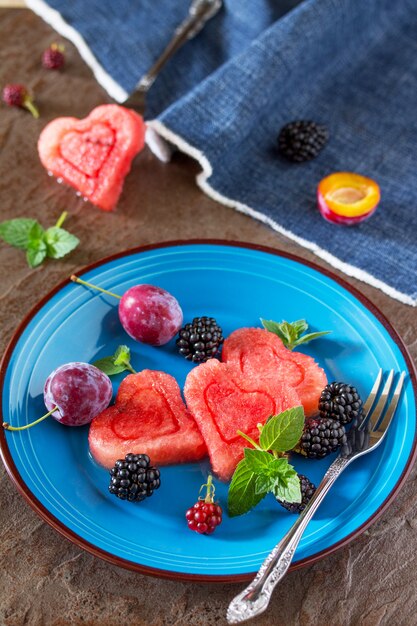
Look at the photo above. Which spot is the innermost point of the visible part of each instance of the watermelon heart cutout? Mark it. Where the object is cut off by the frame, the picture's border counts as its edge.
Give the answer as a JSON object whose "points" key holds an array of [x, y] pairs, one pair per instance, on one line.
{"points": [[222, 402], [148, 417], [93, 155], [261, 356]]}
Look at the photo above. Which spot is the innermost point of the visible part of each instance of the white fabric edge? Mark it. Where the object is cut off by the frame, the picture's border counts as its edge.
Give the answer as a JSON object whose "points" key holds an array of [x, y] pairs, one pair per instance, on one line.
{"points": [[204, 175], [54, 19]]}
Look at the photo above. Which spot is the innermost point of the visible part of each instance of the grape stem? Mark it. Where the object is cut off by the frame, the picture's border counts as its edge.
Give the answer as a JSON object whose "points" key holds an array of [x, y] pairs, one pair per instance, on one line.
{"points": [[210, 491], [7, 426], [76, 279]]}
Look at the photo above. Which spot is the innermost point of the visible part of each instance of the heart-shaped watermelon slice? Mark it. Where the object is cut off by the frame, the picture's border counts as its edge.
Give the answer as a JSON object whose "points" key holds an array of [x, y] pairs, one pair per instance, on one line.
{"points": [[222, 401], [93, 155], [261, 356], [148, 417]]}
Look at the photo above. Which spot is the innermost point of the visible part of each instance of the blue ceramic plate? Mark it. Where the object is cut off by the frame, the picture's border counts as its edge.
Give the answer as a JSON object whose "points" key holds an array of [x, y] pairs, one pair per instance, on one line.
{"points": [[237, 285]]}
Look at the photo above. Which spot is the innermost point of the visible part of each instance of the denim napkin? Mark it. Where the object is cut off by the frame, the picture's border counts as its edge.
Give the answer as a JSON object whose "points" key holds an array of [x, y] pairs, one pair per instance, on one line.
{"points": [[257, 65]]}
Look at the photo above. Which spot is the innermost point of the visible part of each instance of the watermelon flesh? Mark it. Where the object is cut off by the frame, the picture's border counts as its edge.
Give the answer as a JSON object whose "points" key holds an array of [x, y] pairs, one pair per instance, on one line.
{"points": [[93, 155], [261, 356], [148, 417], [222, 402]]}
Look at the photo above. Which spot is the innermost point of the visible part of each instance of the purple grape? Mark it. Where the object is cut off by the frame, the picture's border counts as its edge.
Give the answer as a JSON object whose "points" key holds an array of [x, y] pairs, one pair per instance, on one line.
{"points": [[150, 314], [79, 390]]}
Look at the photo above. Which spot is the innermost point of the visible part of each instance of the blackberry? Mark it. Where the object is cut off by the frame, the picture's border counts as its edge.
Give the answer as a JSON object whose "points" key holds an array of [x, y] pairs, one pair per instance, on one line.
{"points": [[320, 437], [302, 140], [307, 490], [133, 478], [341, 402], [200, 340]]}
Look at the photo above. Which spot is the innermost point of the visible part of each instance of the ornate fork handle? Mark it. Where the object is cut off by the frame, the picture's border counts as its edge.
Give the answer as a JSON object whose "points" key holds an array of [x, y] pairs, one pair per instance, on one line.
{"points": [[255, 598], [200, 12]]}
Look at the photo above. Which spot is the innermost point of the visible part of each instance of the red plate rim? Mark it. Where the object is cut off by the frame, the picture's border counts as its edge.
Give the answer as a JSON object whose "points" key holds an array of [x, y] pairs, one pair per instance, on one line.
{"points": [[180, 576]]}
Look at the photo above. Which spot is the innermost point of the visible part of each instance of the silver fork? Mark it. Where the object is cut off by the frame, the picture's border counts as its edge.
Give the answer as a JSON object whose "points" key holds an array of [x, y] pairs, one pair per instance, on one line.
{"points": [[363, 437], [199, 13]]}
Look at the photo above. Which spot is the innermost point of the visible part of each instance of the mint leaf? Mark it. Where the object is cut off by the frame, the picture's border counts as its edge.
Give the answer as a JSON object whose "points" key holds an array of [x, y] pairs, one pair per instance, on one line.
{"points": [[275, 328], [36, 252], [300, 326], [36, 233], [310, 337], [122, 356], [258, 460], [282, 432], [59, 242], [289, 489], [117, 363], [291, 333], [108, 366], [279, 466], [264, 484], [242, 491], [29, 235], [16, 232]]}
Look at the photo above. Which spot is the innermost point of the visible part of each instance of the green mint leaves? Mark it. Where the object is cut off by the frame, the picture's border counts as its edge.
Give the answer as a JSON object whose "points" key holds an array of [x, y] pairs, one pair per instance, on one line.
{"points": [[29, 235], [291, 333], [117, 363], [282, 432], [262, 470]]}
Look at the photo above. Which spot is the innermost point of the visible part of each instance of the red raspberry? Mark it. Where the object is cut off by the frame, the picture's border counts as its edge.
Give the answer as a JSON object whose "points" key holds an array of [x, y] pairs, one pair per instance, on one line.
{"points": [[53, 58], [15, 95], [205, 516]]}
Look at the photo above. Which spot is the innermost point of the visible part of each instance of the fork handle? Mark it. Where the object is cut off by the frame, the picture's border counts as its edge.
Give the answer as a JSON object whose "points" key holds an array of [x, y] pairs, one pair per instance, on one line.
{"points": [[255, 598], [200, 11]]}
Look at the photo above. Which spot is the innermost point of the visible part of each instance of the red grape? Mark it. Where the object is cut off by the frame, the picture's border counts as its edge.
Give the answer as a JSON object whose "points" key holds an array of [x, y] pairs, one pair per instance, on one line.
{"points": [[79, 390], [150, 314]]}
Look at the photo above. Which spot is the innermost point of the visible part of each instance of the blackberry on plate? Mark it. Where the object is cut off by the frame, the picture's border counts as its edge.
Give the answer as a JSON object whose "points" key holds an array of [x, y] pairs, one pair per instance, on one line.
{"points": [[320, 437], [134, 478], [341, 402], [307, 490], [200, 340], [302, 140]]}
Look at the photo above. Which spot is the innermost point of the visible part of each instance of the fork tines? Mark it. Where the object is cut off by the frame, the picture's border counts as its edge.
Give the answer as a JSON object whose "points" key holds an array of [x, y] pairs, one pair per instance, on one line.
{"points": [[377, 417]]}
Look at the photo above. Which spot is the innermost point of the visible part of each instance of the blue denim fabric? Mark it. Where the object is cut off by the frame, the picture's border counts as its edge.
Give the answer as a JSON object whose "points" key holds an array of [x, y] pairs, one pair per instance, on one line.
{"points": [[350, 64]]}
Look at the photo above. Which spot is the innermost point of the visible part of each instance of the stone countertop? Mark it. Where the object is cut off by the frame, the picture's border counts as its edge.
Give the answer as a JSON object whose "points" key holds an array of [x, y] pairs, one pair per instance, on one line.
{"points": [[46, 580]]}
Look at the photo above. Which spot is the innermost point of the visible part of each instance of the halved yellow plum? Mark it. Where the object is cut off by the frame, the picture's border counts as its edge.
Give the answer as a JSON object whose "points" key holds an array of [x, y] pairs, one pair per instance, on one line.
{"points": [[347, 198]]}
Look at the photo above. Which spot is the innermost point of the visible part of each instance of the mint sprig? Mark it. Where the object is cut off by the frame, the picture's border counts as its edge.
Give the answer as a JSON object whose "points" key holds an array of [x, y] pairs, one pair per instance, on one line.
{"points": [[117, 363], [264, 469], [28, 234], [291, 333]]}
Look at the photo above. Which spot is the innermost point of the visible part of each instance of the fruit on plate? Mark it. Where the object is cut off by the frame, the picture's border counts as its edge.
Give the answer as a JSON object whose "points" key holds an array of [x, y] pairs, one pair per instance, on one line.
{"points": [[205, 515], [200, 340], [261, 356], [94, 154], [347, 198], [150, 314], [321, 436], [307, 492], [147, 313], [74, 393], [148, 417], [222, 402], [134, 478], [340, 401]]}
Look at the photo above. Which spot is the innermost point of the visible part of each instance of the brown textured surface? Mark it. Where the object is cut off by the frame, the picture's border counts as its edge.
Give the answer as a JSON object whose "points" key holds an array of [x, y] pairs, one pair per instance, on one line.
{"points": [[46, 579]]}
